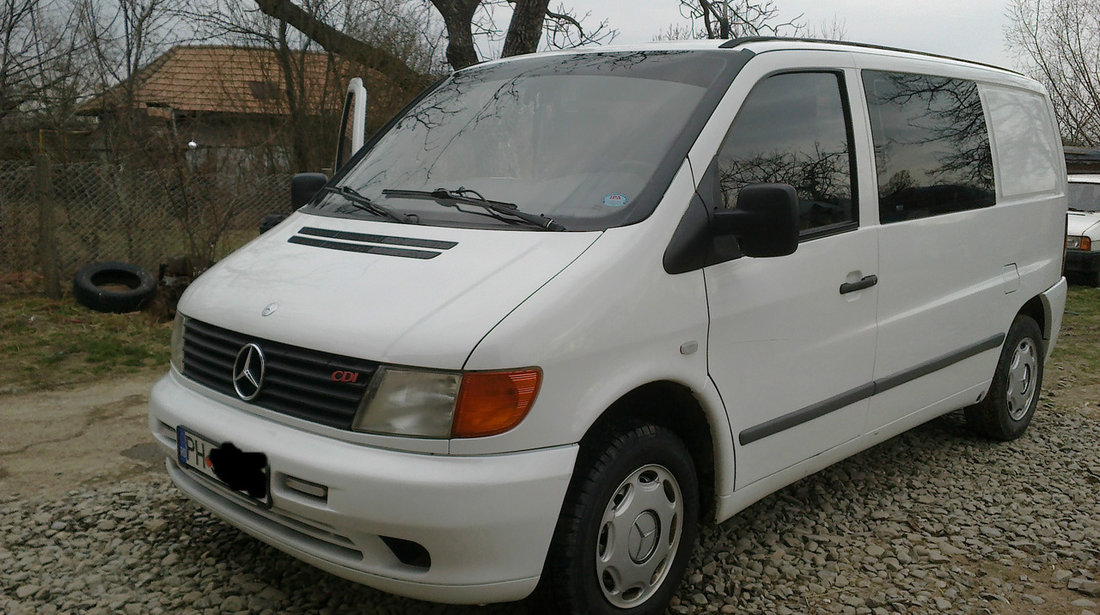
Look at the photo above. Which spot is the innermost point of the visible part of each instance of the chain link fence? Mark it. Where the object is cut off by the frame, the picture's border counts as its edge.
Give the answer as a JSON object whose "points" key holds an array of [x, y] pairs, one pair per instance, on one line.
{"points": [[67, 215]]}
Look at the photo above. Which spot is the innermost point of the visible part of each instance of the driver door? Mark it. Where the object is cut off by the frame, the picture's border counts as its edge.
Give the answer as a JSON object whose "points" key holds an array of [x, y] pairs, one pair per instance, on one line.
{"points": [[792, 339]]}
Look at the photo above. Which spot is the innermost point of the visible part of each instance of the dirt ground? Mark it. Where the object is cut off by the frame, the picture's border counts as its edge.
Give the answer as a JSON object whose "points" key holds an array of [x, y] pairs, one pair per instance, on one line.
{"points": [[81, 435]]}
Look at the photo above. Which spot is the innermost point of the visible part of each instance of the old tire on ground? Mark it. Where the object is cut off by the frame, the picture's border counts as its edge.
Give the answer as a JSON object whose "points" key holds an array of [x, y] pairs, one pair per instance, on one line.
{"points": [[1007, 409], [113, 287], [627, 527]]}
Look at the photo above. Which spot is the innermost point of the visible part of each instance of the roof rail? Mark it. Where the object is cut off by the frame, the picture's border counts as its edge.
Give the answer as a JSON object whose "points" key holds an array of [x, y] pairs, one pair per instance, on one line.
{"points": [[737, 42]]}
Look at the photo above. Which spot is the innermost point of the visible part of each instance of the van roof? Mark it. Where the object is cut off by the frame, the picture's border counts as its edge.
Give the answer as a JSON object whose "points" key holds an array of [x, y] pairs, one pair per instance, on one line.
{"points": [[760, 44]]}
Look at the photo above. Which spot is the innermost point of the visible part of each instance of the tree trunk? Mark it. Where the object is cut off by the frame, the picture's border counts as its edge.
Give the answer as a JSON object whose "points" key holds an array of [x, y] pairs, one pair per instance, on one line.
{"points": [[525, 29], [294, 102], [458, 17]]}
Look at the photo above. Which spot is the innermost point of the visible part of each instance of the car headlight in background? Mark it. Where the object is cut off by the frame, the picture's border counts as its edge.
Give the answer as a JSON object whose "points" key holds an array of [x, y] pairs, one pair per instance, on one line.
{"points": [[1074, 242], [177, 342], [430, 404]]}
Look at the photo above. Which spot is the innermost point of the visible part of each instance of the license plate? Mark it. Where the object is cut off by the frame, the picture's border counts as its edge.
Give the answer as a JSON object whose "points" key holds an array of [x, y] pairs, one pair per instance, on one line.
{"points": [[238, 471]]}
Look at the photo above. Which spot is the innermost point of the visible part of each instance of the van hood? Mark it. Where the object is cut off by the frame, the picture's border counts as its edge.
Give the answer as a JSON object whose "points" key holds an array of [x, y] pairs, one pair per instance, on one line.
{"points": [[1079, 223], [395, 293]]}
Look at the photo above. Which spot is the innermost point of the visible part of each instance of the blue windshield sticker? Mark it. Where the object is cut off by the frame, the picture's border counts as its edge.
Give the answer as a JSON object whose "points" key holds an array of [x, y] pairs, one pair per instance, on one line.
{"points": [[615, 199]]}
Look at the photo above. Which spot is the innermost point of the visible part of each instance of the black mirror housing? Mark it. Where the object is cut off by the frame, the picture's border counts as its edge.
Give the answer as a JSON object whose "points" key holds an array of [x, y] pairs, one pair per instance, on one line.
{"points": [[765, 221], [305, 186]]}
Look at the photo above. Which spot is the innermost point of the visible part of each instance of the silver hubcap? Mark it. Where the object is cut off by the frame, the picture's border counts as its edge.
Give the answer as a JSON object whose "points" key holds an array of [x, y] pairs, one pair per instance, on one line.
{"points": [[1022, 373], [639, 535]]}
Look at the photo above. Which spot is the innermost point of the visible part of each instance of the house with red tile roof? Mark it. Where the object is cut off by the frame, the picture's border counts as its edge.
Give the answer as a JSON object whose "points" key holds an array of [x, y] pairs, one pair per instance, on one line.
{"points": [[236, 98]]}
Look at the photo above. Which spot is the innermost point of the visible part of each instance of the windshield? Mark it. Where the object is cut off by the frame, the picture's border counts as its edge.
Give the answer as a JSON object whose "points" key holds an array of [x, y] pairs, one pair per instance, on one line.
{"points": [[1084, 197], [584, 139]]}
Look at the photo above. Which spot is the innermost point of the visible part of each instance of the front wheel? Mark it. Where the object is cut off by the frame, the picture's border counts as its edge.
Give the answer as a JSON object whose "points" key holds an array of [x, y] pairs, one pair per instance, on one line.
{"points": [[627, 527], [1007, 409]]}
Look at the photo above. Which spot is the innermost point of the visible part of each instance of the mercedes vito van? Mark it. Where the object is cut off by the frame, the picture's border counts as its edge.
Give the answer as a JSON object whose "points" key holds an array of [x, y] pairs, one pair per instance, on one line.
{"points": [[566, 307]]}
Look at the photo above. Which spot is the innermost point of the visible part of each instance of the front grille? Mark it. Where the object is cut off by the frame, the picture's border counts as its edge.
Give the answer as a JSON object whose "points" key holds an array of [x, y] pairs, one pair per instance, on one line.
{"points": [[297, 381]]}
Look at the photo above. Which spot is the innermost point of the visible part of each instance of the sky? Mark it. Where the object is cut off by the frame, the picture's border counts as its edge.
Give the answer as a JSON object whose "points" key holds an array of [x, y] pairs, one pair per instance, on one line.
{"points": [[967, 29]]}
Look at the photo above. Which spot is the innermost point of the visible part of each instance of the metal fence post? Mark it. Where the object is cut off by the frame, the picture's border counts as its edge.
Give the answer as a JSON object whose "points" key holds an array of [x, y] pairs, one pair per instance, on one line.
{"points": [[47, 227]]}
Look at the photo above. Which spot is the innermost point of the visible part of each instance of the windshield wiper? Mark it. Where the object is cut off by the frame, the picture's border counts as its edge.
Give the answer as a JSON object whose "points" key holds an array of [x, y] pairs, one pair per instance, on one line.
{"points": [[352, 196], [498, 208]]}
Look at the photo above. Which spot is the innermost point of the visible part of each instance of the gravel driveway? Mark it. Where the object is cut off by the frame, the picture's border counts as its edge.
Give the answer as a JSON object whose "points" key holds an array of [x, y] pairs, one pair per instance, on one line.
{"points": [[934, 520]]}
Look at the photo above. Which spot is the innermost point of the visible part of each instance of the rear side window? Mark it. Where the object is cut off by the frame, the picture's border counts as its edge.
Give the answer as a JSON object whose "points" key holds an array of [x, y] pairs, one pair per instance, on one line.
{"points": [[1029, 153], [931, 145], [794, 128]]}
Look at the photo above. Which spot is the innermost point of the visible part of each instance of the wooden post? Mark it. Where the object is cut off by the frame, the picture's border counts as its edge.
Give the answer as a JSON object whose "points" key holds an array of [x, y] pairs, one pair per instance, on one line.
{"points": [[47, 227]]}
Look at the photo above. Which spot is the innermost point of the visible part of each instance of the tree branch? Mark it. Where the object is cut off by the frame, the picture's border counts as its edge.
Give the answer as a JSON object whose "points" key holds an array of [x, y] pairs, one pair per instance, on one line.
{"points": [[341, 44]]}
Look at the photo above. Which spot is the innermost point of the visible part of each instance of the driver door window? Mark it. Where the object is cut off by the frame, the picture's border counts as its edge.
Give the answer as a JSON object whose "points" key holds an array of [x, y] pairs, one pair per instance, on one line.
{"points": [[794, 128]]}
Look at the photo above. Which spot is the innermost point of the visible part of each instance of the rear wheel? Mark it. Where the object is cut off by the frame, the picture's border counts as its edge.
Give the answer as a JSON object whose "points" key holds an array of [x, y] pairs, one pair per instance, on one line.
{"points": [[627, 527], [1007, 409]]}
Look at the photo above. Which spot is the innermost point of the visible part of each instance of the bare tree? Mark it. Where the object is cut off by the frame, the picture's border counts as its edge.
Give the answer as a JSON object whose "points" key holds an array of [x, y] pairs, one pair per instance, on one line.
{"points": [[1057, 42], [309, 92], [724, 19], [335, 40], [39, 60], [833, 30], [123, 36], [17, 52], [463, 20], [409, 31]]}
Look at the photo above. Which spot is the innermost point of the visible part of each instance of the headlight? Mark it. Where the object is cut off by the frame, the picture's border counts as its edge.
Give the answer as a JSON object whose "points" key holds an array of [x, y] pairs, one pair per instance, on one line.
{"points": [[177, 341], [1074, 242], [407, 402]]}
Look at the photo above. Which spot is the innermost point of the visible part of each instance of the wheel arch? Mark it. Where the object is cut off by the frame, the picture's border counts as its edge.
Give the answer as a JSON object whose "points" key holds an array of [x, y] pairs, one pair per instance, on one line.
{"points": [[1038, 308], [675, 407]]}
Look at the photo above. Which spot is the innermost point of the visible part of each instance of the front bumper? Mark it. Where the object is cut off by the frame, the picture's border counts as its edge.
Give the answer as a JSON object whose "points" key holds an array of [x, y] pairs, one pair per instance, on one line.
{"points": [[1080, 261], [486, 521]]}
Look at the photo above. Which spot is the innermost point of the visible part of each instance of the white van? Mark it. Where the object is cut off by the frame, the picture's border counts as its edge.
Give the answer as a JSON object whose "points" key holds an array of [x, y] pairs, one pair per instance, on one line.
{"points": [[567, 306], [1083, 228]]}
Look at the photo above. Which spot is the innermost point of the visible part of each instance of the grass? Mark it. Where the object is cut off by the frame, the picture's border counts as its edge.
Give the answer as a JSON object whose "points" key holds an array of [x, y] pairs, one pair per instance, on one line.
{"points": [[1075, 364], [46, 343], [1079, 338]]}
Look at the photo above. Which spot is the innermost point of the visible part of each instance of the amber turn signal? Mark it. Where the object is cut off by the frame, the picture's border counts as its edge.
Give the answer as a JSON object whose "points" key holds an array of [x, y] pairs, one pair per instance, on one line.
{"points": [[490, 403]]}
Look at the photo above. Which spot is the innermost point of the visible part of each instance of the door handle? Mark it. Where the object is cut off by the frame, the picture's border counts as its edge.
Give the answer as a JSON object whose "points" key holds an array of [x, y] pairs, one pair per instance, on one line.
{"points": [[866, 282]]}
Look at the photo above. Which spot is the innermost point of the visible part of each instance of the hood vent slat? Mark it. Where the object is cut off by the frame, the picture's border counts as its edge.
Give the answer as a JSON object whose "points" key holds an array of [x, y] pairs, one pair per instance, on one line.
{"points": [[364, 243]]}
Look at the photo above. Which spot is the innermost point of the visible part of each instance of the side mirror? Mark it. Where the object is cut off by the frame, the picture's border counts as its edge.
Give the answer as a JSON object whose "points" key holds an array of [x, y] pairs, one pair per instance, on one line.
{"points": [[305, 186], [765, 221]]}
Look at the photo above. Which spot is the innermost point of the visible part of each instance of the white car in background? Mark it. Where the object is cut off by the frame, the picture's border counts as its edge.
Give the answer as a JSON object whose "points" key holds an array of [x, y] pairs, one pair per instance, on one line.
{"points": [[1083, 228]]}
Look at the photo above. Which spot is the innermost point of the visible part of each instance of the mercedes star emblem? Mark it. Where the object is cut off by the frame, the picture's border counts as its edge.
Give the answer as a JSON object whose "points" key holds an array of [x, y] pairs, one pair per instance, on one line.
{"points": [[248, 372], [642, 541]]}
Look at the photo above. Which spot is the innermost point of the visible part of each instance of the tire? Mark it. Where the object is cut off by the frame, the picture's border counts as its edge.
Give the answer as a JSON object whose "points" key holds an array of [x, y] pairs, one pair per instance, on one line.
{"points": [[1007, 409], [113, 287], [641, 486]]}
